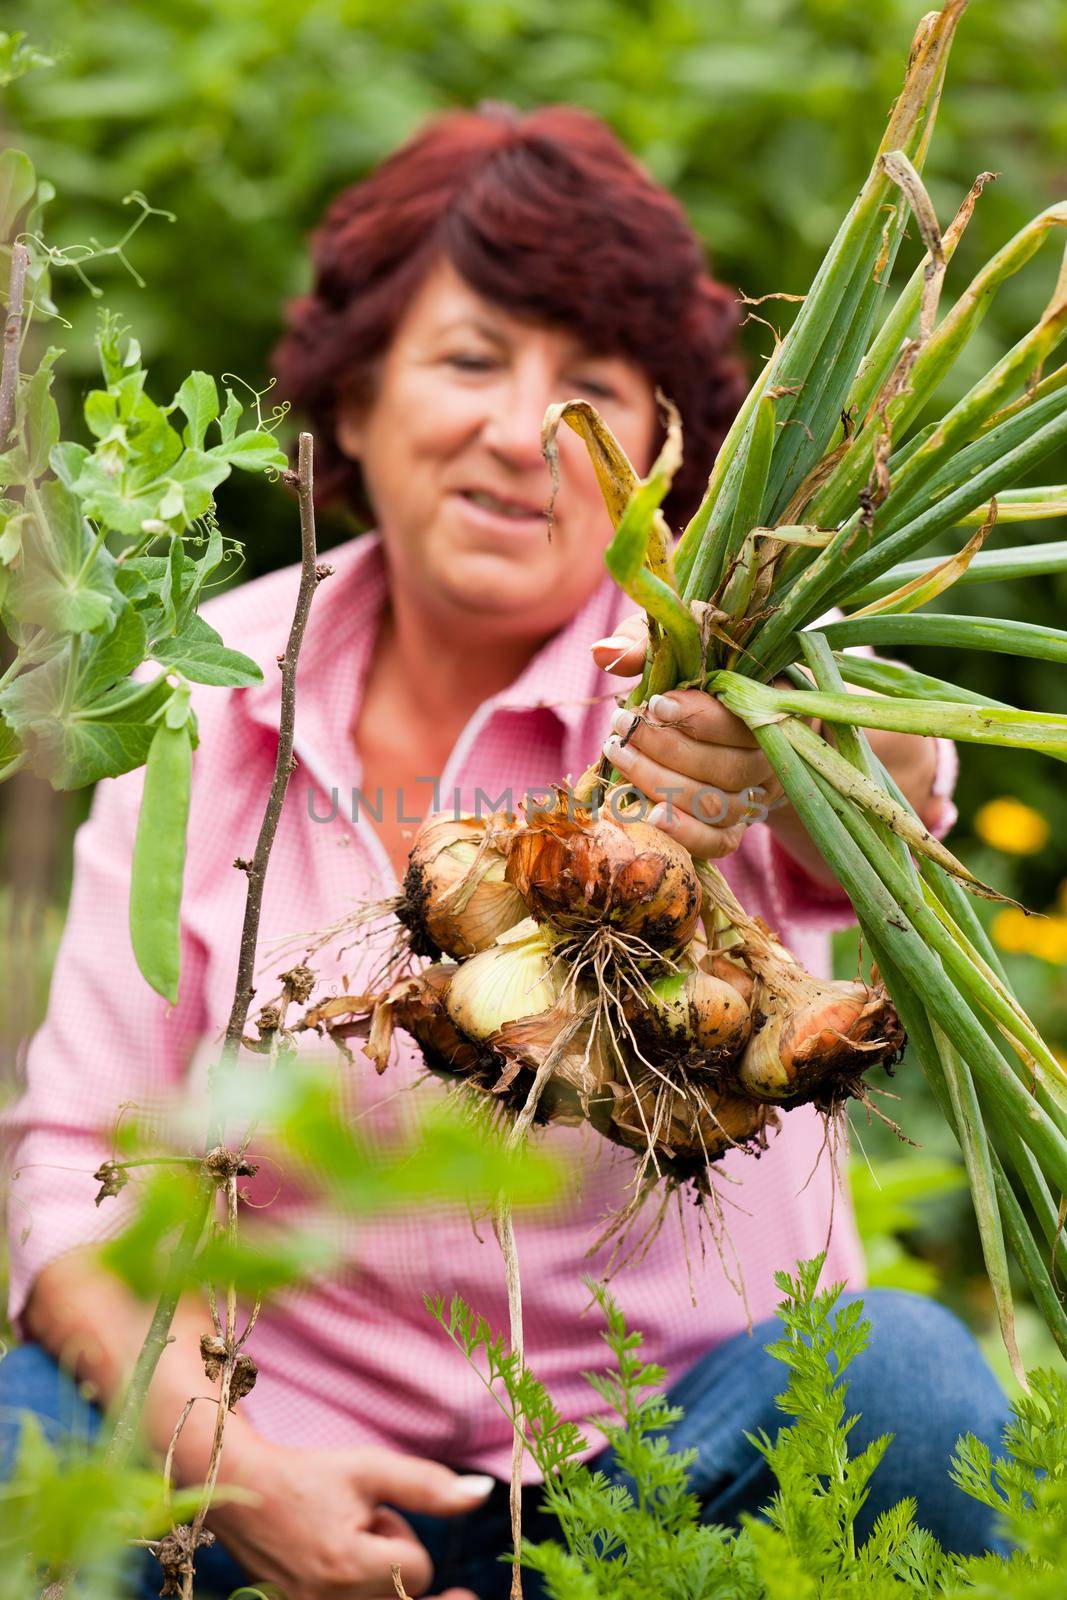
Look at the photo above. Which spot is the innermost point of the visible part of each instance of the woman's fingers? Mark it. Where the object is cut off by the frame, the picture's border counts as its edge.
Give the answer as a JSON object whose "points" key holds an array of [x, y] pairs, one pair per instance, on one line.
{"points": [[705, 801], [701, 716], [388, 1542], [725, 766], [624, 651], [416, 1484], [703, 842]]}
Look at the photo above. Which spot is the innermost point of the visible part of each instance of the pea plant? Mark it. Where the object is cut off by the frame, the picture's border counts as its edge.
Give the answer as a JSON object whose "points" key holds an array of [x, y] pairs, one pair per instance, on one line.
{"points": [[106, 547]]}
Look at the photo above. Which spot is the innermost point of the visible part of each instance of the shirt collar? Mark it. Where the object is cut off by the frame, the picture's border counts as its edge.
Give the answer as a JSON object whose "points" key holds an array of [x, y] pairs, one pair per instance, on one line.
{"points": [[560, 677]]}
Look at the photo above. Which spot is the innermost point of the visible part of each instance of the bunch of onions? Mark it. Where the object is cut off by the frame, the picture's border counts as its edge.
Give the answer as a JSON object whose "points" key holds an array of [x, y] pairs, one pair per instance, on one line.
{"points": [[633, 993]]}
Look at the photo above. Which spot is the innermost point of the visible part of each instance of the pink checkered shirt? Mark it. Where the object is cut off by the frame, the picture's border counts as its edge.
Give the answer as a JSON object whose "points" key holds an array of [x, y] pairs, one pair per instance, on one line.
{"points": [[353, 1356]]}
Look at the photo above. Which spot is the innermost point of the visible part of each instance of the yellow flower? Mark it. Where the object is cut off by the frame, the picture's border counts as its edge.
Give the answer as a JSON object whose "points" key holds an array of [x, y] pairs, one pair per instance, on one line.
{"points": [[1011, 930], [1044, 937], [1011, 826], [1050, 940]]}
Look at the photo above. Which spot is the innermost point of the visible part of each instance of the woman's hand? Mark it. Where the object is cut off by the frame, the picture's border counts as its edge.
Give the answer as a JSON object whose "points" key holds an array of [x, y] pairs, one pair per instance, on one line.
{"points": [[696, 760], [322, 1528], [708, 776]]}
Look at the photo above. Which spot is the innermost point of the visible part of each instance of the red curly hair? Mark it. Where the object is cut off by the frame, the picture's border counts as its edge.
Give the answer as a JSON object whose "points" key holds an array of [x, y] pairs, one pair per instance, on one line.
{"points": [[545, 214]]}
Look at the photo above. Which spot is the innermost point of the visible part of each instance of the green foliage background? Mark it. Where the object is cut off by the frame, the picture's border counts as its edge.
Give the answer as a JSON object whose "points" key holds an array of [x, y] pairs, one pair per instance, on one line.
{"points": [[244, 117]]}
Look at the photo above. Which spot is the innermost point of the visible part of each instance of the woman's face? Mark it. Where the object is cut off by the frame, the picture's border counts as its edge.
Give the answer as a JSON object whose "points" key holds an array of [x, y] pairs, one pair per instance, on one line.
{"points": [[450, 448]]}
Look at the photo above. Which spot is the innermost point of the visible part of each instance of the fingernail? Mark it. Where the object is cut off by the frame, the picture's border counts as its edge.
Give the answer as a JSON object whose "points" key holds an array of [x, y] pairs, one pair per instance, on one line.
{"points": [[619, 754], [658, 815], [477, 1485], [622, 721], [616, 644], [664, 710]]}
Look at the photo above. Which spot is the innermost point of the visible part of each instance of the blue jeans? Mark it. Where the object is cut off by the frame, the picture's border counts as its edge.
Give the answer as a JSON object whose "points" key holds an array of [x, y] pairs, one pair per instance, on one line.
{"points": [[923, 1379]]}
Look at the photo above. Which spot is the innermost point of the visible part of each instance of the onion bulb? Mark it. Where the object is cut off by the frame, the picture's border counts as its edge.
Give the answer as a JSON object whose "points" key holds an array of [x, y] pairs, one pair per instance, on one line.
{"points": [[455, 899], [518, 976], [730, 970], [690, 1020], [688, 1127], [578, 872], [813, 1036]]}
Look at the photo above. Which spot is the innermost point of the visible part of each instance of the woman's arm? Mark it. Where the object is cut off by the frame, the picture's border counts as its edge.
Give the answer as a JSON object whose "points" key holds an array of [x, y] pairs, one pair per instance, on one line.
{"points": [[318, 1524], [91, 1322]]}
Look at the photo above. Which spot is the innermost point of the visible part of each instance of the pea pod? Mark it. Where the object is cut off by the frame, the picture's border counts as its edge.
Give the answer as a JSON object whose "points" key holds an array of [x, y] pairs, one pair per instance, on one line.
{"points": [[159, 859]]}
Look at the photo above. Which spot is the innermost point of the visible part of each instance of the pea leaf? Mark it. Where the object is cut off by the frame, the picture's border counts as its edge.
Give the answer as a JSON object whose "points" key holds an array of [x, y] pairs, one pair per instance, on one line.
{"points": [[18, 181], [12, 519], [190, 485], [67, 461], [17, 57], [154, 445], [198, 652], [36, 415], [114, 658], [10, 744], [114, 500], [252, 452], [198, 398], [230, 417], [99, 727], [62, 584], [101, 412]]}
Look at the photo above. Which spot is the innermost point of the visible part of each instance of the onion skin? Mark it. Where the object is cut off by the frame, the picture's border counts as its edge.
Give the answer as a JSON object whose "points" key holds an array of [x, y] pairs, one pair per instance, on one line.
{"points": [[689, 1128], [456, 901], [517, 977], [735, 973], [814, 1051], [697, 1026], [422, 1012], [579, 1066], [578, 872]]}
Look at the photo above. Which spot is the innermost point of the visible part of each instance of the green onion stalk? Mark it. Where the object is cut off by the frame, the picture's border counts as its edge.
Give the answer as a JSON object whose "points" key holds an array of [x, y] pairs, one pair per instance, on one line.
{"points": [[835, 494]]}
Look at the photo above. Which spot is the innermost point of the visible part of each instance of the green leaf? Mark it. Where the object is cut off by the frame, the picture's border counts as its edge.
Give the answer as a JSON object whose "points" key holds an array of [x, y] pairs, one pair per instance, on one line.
{"points": [[989, 566], [36, 415], [17, 57], [95, 727], [12, 520], [101, 412], [17, 184], [67, 461], [997, 634], [114, 658], [252, 452], [198, 652], [62, 584], [190, 484], [10, 744], [198, 399], [231, 416], [66, 1503]]}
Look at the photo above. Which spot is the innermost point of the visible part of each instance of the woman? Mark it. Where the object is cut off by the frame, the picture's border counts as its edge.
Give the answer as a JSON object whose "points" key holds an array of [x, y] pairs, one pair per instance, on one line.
{"points": [[493, 265]]}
